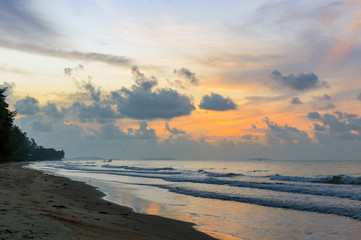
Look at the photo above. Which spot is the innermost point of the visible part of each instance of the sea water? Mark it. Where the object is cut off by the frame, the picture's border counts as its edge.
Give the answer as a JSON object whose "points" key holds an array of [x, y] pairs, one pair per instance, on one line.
{"points": [[234, 199]]}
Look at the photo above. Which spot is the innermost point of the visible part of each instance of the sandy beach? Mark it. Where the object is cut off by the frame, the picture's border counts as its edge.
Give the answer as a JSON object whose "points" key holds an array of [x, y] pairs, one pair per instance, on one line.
{"points": [[34, 205]]}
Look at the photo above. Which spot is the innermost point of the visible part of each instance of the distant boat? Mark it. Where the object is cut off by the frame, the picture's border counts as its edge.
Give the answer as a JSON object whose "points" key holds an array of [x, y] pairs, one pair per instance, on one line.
{"points": [[109, 160], [258, 159]]}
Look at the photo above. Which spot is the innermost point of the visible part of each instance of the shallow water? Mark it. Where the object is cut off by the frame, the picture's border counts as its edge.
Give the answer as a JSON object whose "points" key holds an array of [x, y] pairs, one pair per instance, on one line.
{"points": [[234, 200]]}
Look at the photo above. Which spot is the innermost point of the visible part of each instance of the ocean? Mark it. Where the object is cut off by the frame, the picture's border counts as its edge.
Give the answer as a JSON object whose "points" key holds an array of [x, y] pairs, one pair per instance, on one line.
{"points": [[250, 199]]}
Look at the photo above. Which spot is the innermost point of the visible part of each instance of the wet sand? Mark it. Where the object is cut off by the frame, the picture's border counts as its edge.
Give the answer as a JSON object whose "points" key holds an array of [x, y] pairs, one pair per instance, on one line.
{"points": [[34, 205]]}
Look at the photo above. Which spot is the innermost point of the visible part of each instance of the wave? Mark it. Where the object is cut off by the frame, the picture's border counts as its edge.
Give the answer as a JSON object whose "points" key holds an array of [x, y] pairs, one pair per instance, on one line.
{"points": [[323, 205], [218, 174], [336, 179], [257, 171], [353, 211], [338, 195], [204, 177], [138, 168]]}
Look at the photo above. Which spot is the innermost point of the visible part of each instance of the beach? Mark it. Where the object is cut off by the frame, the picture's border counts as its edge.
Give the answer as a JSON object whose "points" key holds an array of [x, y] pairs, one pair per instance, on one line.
{"points": [[232, 200], [35, 205]]}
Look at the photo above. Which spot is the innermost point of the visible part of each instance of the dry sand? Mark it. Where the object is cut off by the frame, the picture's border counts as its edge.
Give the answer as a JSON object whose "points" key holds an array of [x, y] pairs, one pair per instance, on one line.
{"points": [[34, 205]]}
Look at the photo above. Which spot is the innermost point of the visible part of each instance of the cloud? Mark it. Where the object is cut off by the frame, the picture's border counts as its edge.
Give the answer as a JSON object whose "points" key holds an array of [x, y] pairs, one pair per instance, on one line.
{"points": [[327, 107], [277, 134], [250, 137], [94, 112], [162, 103], [9, 87], [51, 110], [27, 106], [188, 75], [314, 115], [142, 101], [142, 81], [85, 85], [359, 97], [295, 100], [298, 82], [92, 90], [111, 131], [325, 97], [68, 71], [41, 126], [22, 28], [217, 102], [174, 131], [264, 99], [110, 59], [177, 83], [323, 102], [18, 20], [336, 127]]}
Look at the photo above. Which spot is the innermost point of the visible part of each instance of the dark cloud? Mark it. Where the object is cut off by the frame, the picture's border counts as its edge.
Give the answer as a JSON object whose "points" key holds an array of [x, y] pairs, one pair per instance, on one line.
{"points": [[336, 127], [174, 131], [301, 81], [85, 85], [314, 115], [162, 103], [277, 134], [188, 75], [226, 143], [359, 97], [327, 107], [143, 102], [27, 106], [142, 81], [249, 137], [318, 127], [68, 71], [22, 28], [93, 91], [19, 20], [94, 112], [295, 100], [9, 87], [143, 132], [324, 97], [217, 102], [323, 102], [51, 110], [177, 83], [92, 56], [110, 59], [41, 126], [111, 131]]}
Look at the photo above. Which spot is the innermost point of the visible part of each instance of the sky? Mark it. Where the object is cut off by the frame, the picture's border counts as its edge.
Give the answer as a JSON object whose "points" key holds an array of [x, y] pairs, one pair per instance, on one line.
{"points": [[206, 79]]}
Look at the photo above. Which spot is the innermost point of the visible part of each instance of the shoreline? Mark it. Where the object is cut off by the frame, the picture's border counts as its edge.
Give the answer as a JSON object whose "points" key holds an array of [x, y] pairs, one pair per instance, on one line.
{"points": [[35, 205]]}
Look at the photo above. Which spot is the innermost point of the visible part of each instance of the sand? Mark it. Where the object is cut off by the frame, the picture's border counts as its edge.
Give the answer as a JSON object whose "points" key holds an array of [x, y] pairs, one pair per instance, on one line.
{"points": [[35, 205]]}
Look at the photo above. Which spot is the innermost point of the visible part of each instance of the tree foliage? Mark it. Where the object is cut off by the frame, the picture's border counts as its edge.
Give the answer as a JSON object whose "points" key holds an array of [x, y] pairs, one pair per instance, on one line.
{"points": [[14, 144], [6, 125]]}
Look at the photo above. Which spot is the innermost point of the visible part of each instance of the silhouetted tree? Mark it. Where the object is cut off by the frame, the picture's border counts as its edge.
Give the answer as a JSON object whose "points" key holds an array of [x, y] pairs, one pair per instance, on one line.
{"points": [[6, 127], [19, 143], [14, 144]]}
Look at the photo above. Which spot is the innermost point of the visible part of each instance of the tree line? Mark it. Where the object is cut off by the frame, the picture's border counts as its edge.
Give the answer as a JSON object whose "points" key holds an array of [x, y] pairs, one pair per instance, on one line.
{"points": [[14, 144]]}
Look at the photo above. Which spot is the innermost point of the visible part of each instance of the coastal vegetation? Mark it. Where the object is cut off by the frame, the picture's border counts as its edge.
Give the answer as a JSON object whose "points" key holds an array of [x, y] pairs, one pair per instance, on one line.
{"points": [[14, 143]]}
